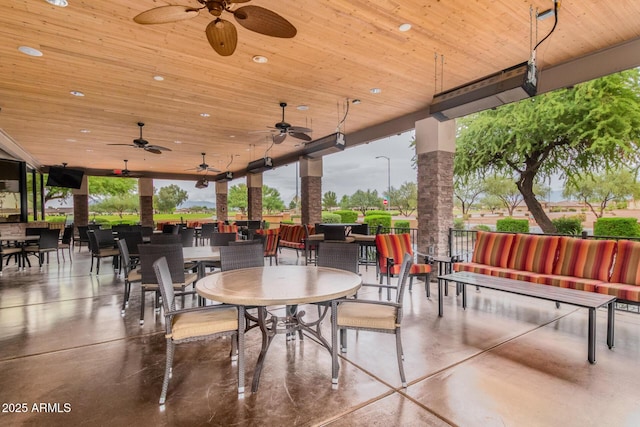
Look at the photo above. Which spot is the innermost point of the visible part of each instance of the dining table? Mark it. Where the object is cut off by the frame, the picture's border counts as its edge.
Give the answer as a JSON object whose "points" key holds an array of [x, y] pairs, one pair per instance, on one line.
{"points": [[283, 285], [20, 241]]}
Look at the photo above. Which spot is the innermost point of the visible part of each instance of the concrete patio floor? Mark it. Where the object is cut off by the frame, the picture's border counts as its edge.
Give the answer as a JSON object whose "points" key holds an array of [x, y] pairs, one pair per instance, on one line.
{"points": [[506, 360]]}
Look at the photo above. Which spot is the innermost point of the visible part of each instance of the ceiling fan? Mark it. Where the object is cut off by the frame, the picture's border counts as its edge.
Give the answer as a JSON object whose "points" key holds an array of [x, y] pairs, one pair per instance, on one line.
{"points": [[222, 34], [287, 129], [204, 166], [144, 144], [124, 173]]}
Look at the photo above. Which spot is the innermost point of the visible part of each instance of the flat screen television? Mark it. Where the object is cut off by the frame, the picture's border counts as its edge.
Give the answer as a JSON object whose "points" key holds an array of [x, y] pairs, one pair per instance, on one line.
{"points": [[64, 177]]}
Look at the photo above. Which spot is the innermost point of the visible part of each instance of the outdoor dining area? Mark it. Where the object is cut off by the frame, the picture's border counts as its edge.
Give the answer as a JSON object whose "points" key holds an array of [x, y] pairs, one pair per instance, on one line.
{"points": [[224, 327]]}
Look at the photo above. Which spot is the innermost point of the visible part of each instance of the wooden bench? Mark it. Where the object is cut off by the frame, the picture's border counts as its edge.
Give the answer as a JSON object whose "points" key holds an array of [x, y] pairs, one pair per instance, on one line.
{"points": [[589, 300]]}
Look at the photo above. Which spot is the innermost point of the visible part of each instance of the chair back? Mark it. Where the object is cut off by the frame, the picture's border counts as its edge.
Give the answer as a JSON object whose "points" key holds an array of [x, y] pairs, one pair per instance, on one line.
{"points": [[241, 256], [270, 244], [175, 259], [222, 239], [67, 235], [334, 232], [360, 229], [246, 242], [407, 261], [392, 246], [338, 255], [227, 228], [83, 231], [49, 239], [165, 239], [105, 238], [146, 231], [133, 239], [163, 277], [168, 228], [187, 236], [93, 242], [125, 257], [34, 231], [208, 228]]}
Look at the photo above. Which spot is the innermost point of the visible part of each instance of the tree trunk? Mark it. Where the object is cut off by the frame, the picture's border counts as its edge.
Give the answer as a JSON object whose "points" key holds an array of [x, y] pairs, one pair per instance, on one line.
{"points": [[525, 185]]}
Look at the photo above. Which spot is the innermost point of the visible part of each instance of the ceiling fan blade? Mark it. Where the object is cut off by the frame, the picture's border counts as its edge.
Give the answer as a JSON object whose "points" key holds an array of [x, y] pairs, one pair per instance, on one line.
{"points": [[277, 139], [222, 36], [210, 169], [264, 21], [165, 14], [299, 129], [128, 145], [300, 135], [152, 150], [157, 147]]}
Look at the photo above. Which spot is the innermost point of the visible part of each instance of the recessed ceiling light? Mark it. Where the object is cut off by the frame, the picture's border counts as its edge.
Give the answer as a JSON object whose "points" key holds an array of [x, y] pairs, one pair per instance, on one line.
{"points": [[177, 142], [205, 115], [76, 93], [31, 51], [59, 3], [85, 131], [259, 59], [404, 27], [375, 90], [71, 140], [356, 101], [302, 107], [89, 150], [232, 136], [158, 78]]}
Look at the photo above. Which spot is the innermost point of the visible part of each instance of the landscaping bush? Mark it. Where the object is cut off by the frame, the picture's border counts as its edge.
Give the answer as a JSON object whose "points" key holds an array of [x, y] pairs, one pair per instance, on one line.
{"points": [[458, 224], [512, 225], [375, 220], [286, 222], [347, 217], [331, 218], [617, 227], [568, 224], [402, 226], [482, 227], [375, 212]]}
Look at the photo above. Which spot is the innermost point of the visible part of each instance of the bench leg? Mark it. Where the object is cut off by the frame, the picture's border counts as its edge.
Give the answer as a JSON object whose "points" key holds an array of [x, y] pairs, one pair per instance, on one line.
{"points": [[592, 336], [440, 302], [464, 295], [611, 310]]}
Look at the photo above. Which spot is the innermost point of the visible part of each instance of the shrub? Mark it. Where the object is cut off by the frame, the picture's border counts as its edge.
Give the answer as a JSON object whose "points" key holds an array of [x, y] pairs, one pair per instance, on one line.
{"points": [[286, 222], [375, 220], [347, 217], [374, 212], [458, 224], [331, 218], [482, 227], [568, 224], [512, 225], [617, 227], [402, 226]]}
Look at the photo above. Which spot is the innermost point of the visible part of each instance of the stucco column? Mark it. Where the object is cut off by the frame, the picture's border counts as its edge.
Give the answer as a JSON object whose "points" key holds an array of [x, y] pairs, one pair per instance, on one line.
{"points": [[81, 203], [311, 190], [222, 190], [145, 193], [435, 147], [254, 196]]}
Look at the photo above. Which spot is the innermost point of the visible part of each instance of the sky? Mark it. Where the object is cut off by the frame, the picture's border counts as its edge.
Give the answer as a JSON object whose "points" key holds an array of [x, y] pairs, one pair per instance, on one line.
{"points": [[355, 168]]}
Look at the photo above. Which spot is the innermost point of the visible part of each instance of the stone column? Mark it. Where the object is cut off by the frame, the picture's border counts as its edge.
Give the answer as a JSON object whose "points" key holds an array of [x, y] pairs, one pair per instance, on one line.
{"points": [[145, 193], [435, 147], [311, 190], [81, 203], [221, 201], [254, 196]]}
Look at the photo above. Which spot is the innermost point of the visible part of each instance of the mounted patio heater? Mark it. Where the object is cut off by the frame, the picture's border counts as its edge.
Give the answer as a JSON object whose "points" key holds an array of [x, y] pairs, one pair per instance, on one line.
{"points": [[326, 145], [260, 165], [506, 86]]}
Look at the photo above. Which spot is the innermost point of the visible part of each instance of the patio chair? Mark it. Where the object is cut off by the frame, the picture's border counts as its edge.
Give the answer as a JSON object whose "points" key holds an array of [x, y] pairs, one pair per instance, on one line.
{"points": [[165, 239], [241, 256], [222, 239], [391, 249], [181, 280], [65, 241], [134, 239], [83, 237], [270, 246], [187, 237], [196, 324], [9, 251], [338, 255], [47, 243], [208, 228], [102, 245], [367, 315], [131, 274]]}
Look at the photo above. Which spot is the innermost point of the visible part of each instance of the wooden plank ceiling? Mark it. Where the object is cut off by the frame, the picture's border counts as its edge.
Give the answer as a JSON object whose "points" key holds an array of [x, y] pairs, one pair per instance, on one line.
{"points": [[343, 49]]}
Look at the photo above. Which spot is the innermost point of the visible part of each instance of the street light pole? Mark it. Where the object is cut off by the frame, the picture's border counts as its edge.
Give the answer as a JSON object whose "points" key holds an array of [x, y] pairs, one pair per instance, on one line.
{"points": [[388, 180]]}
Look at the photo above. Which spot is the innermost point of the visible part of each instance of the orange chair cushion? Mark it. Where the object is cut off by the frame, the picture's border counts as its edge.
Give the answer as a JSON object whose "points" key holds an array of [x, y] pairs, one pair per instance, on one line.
{"points": [[588, 259], [533, 253], [492, 248], [626, 267]]}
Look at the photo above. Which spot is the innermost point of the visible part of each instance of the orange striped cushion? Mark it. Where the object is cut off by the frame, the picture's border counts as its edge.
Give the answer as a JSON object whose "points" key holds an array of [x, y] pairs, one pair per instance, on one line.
{"points": [[268, 231], [473, 267], [492, 248], [270, 244], [227, 228], [570, 282], [534, 253], [621, 291], [626, 268], [589, 259], [393, 246]]}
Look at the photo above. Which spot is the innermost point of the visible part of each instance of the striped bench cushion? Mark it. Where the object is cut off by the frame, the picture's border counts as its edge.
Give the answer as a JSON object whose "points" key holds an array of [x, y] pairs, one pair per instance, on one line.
{"points": [[622, 291], [474, 267], [587, 259], [535, 254], [570, 282], [492, 248], [626, 268]]}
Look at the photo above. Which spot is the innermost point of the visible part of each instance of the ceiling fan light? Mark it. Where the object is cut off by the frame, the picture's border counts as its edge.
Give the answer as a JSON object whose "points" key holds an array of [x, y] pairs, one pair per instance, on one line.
{"points": [[302, 107], [259, 59], [375, 90], [31, 51], [404, 27], [59, 3]]}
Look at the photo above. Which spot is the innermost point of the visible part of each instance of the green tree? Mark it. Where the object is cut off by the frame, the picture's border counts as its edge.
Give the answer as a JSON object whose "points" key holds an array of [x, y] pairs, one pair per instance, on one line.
{"points": [[505, 190], [169, 197], [597, 191], [345, 203], [491, 202], [467, 189], [104, 186], [329, 200], [405, 198], [568, 131], [271, 200], [237, 198], [364, 200], [120, 204]]}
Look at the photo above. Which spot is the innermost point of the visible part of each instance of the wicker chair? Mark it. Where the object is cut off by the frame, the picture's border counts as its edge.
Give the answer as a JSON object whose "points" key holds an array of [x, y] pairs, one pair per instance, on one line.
{"points": [[222, 239], [133, 239], [47, 243], [241, 256], [8, 252], [181, 280], [338, 255], [375, 316], [165, 239], [196, 324], [66, 241], [131, 274], [102, 245]]}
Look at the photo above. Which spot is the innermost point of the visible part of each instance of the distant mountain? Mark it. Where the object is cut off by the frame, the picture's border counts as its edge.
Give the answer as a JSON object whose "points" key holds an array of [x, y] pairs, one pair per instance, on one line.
{"points": [[191, 203]]}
